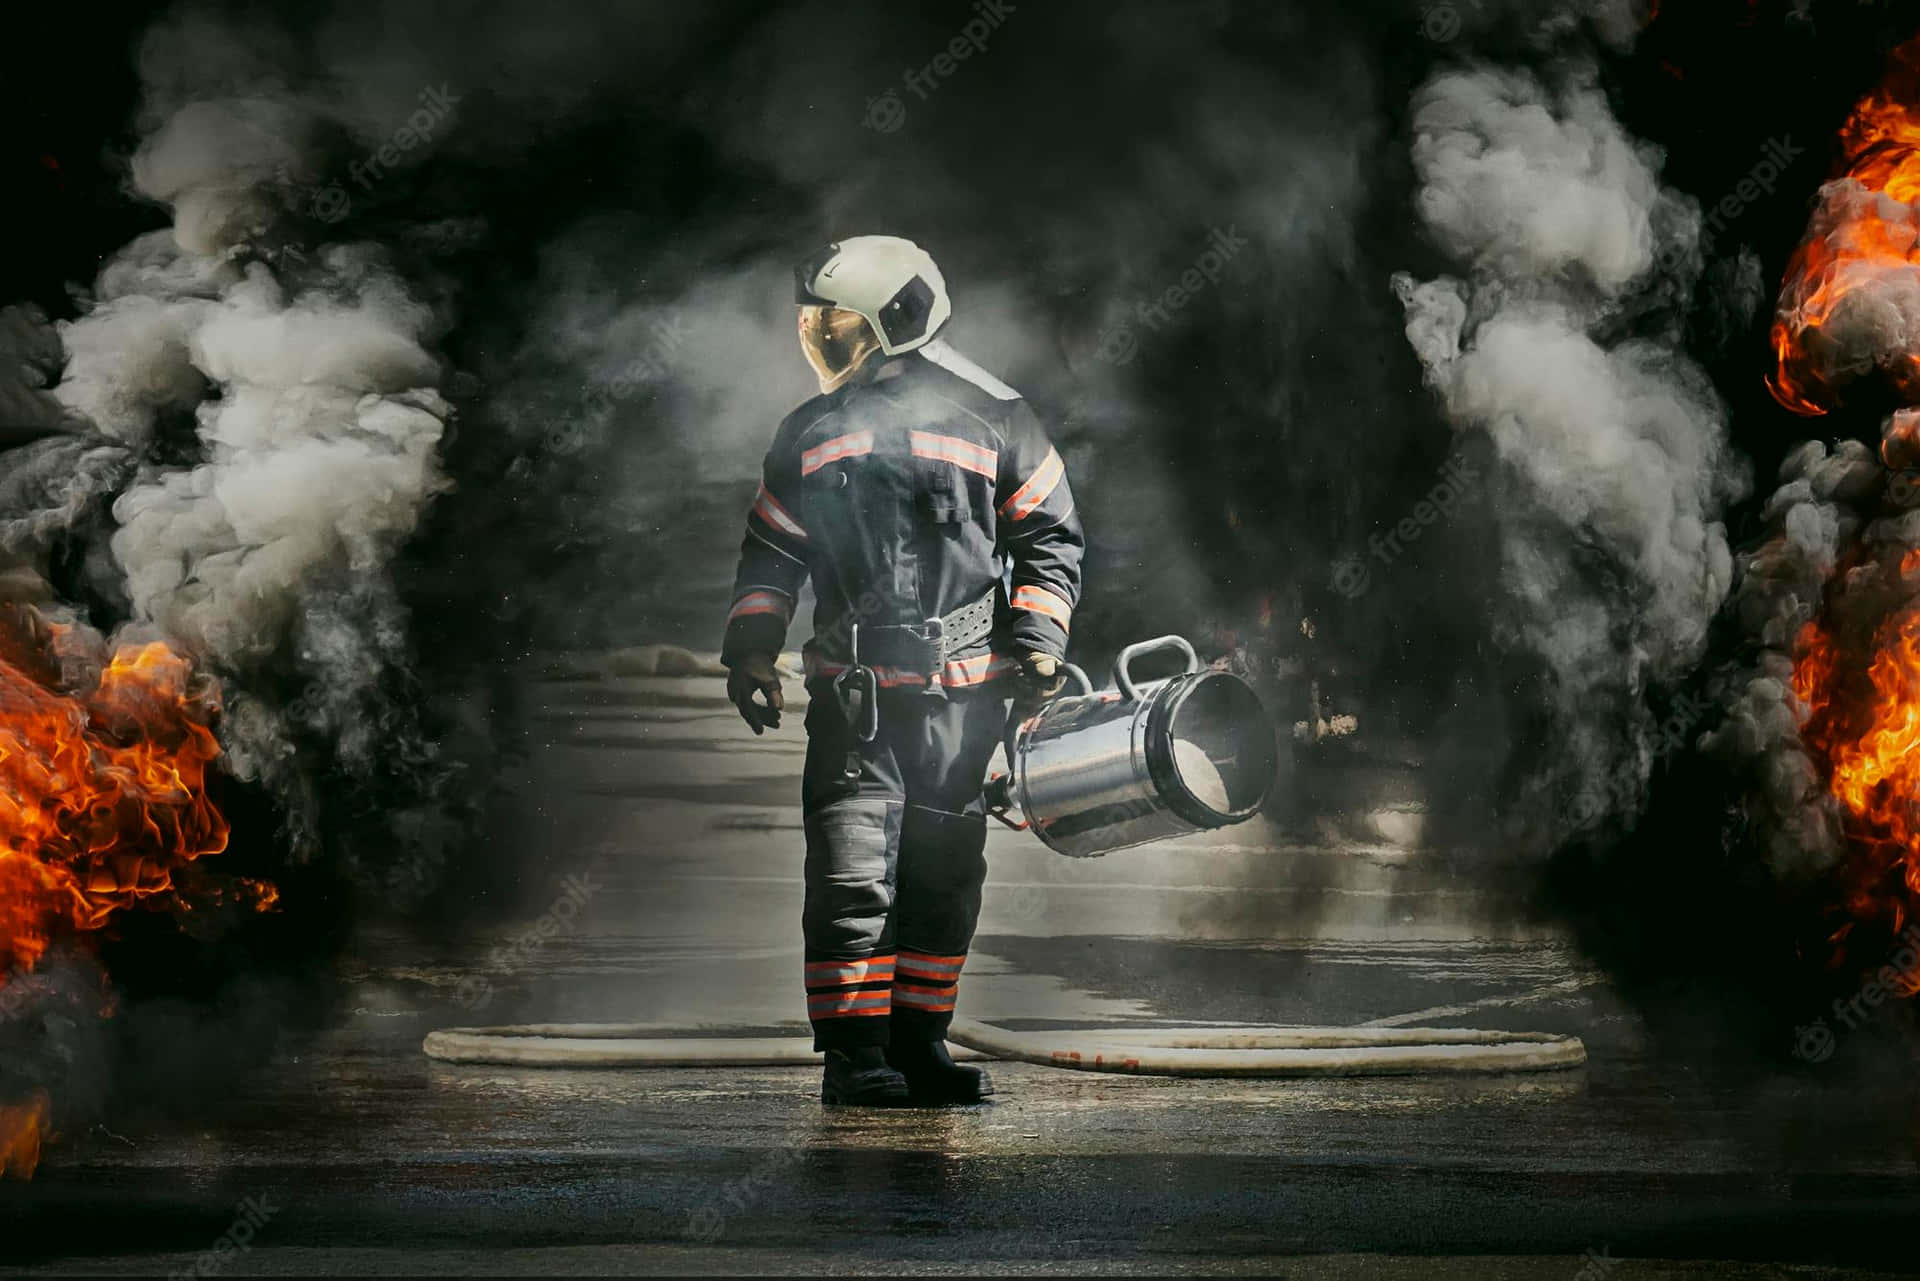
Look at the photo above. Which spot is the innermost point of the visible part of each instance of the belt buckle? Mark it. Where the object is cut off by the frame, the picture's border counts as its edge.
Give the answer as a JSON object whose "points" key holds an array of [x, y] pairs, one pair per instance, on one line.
{"points": [[934, 633]]}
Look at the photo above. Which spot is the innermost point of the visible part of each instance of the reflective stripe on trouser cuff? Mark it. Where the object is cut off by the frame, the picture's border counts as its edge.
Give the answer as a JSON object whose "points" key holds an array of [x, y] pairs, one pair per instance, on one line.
{"points": [[849, 989], [822, 974], [849, 1005], [927, 982], [924, 965], [933, 1000]]}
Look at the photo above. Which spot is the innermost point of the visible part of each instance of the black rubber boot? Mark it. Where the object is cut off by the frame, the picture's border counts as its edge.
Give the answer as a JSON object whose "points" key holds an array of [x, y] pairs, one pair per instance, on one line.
{"points": [[860, 1078], [933, 1078]]}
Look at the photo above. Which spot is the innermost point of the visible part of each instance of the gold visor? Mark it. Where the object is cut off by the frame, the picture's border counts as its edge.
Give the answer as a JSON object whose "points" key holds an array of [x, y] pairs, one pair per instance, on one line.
{"points": [[836, 341]]}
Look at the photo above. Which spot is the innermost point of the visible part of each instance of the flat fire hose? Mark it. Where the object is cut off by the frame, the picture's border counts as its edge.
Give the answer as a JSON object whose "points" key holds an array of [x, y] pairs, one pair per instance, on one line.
{"points": [[1244, 1051], [1248, 1050]]}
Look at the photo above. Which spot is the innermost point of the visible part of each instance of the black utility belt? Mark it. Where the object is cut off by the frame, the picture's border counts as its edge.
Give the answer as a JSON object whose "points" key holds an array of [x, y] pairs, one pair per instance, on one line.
{"points": [[917, 647], [924, 647]]}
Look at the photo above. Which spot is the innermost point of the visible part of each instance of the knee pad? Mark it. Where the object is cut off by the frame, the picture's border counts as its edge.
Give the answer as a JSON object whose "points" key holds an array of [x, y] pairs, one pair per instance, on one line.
{"points": [[852, 847]]}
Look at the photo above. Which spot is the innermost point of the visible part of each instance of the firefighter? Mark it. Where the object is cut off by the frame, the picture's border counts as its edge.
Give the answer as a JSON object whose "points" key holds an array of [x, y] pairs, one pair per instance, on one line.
{"points": [[920, 497]]}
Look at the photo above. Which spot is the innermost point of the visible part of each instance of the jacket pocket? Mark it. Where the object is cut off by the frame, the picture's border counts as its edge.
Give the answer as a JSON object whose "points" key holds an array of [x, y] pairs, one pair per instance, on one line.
{"points": [[942, 493]]}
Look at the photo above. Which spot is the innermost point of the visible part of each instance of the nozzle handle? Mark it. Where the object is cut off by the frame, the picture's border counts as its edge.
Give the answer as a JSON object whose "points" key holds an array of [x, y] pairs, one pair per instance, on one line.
{"points": [[1124, 678]]}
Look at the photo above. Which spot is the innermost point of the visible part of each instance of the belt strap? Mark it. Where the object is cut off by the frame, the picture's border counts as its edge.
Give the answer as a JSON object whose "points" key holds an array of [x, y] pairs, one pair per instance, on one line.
{"points": [[968, 626], [926, 647]]}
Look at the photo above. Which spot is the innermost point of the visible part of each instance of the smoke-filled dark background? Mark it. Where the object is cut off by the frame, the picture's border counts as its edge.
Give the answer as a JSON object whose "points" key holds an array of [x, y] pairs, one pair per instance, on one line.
{"points": [[365, 431]]}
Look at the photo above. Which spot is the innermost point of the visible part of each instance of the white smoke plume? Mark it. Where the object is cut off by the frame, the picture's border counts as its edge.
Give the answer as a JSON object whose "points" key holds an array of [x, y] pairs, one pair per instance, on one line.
{"points": [[216, 163], [304, 395], [55, 469], [1614, 466], [321, 454], [30, 358]]}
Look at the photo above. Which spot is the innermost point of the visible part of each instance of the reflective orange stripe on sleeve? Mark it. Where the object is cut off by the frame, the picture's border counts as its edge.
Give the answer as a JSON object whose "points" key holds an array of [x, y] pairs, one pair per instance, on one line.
{"points": [[1038, 600], [761, 603], [768, 509], [1039, 487]]}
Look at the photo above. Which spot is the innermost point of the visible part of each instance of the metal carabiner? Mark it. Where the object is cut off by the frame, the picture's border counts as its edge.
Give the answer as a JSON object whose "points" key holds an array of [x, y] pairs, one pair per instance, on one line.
{"points": [[857, 691]]}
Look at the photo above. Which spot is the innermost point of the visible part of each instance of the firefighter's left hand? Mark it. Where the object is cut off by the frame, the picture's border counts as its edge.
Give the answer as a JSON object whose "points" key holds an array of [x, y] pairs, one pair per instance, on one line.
{"points": [[756, 674]]}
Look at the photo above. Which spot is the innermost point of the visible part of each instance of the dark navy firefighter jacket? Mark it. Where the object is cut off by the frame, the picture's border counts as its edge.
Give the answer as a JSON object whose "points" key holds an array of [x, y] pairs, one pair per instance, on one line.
{"points": [[905, 498]]}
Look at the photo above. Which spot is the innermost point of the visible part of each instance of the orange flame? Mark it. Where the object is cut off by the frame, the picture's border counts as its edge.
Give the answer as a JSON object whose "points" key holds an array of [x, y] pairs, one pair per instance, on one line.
{"points": [[102, 799], [1867, 736], [1863, 229], [103, 804], [22, 1127]]}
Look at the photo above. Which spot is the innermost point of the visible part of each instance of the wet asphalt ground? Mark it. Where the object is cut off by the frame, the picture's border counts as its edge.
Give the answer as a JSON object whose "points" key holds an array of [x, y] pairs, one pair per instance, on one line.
{"points": [[361, 1156]]}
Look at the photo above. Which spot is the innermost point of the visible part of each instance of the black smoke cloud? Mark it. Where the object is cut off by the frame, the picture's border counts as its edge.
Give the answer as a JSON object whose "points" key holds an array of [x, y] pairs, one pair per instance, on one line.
{"points": [[412, 342], [440, 341]]}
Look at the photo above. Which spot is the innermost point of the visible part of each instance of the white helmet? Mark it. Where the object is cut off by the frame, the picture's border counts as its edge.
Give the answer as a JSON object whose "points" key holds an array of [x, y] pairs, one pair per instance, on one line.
{"points": [[892, 283]]}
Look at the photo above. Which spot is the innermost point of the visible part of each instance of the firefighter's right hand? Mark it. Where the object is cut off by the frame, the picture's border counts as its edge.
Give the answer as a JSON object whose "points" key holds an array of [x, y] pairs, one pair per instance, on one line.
{"points": [[1041, 677], [756, 674]]}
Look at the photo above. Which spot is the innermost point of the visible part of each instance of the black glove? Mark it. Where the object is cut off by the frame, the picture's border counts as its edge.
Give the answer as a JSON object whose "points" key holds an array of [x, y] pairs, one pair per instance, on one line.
{"points": [[756, 674]]}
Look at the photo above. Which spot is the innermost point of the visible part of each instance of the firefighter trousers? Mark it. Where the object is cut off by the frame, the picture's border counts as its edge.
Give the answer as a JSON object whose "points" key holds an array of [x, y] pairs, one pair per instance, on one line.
{"points": [[895, 861]]}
